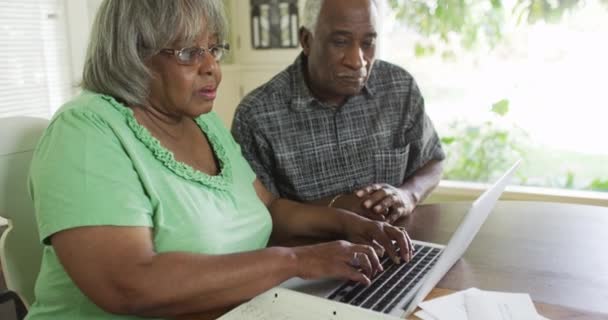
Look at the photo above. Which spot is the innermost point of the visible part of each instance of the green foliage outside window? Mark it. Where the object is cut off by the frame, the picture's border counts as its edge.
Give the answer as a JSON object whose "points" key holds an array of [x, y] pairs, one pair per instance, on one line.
{"points": [[469, 23], [479, 151], [599, 185]]}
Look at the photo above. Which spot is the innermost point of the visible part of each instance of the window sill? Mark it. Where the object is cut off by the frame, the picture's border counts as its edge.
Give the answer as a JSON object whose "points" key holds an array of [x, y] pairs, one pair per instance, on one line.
{"points": [[467, 191]]}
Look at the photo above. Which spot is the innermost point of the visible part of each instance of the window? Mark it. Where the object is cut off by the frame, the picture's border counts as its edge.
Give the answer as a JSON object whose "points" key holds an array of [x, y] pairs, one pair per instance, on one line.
{"points": [[34, 57], [507, 78]]}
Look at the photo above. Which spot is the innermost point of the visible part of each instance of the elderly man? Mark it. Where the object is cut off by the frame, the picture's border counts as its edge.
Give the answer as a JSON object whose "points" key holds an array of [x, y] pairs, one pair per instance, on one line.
{"points": [[339, 127]]}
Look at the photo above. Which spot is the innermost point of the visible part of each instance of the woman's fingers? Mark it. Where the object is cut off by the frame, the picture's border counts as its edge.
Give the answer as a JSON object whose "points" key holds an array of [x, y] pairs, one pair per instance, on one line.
{"points": [[378, 248], [373, 259], [353, 274], [365, 258], [383, 239], [362, 262], [403, 241], [390, 238]]}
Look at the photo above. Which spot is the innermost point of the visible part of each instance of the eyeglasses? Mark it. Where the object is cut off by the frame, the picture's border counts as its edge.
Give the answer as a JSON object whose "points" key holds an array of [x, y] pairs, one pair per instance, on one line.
{"points": [[193, 55]]}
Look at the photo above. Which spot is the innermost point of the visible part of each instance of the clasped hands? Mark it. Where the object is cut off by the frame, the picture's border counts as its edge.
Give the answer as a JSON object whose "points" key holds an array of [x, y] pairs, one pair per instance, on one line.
{"points": [[379, 201]]}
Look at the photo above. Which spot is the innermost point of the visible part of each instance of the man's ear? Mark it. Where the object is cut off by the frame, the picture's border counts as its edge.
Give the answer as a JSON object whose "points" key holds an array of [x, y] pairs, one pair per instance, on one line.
{"points": [[305, 40]]}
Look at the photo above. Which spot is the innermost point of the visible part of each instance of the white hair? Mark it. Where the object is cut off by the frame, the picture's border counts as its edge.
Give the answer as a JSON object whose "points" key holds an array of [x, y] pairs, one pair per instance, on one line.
{"points": [[312, 10]]}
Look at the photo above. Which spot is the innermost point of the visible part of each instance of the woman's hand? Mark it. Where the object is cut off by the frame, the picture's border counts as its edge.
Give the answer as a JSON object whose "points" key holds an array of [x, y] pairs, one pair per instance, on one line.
{"points": [[338, 259], [381, 235], [385, 203]]}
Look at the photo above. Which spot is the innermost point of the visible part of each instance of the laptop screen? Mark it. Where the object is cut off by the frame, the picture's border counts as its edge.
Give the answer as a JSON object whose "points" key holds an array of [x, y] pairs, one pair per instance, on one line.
{"points": [[462, 238]]}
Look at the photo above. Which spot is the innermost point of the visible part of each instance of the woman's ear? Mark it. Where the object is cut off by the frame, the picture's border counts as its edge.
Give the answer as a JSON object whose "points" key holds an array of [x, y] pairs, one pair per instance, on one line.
{"points": [[305, 40]]}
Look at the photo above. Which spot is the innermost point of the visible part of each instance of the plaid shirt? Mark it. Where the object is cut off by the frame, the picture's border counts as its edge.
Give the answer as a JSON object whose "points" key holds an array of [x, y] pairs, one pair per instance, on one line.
{"points": [[304, 150]]}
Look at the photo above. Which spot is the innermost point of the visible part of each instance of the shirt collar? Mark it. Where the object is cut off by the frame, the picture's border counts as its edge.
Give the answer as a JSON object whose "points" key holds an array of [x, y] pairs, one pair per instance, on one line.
{"points": [[302, 97]]}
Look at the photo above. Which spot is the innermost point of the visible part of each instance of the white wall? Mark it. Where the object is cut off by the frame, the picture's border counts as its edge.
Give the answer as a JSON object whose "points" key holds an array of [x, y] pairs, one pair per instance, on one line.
{"points": [[80, 15]]}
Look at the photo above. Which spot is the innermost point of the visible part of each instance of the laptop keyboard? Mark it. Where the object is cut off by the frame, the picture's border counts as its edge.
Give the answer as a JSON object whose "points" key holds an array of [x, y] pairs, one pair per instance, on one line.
{"points": [[392, 285]]}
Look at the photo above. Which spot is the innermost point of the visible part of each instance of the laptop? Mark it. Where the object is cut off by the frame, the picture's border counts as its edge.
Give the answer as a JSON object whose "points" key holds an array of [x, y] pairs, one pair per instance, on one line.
{"points": [[399, 288]]}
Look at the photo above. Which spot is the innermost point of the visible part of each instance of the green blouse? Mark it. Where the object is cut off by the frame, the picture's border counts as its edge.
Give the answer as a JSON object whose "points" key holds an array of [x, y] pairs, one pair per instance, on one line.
{"points": [[95, 165]]}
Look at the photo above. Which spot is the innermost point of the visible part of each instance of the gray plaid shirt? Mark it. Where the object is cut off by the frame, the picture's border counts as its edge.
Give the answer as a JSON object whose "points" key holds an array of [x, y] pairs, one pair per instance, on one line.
{"points": [[304, 150]]}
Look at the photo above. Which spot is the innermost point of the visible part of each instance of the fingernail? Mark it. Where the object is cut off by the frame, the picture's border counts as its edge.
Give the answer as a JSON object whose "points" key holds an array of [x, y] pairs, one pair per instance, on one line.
{"points": [[367, 203], [360, 193], [378, 208]]}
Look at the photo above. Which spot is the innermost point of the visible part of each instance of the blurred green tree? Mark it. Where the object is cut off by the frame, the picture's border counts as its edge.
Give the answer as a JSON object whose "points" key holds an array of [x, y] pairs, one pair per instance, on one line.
{"points": [[468, 23], [482, 151]]}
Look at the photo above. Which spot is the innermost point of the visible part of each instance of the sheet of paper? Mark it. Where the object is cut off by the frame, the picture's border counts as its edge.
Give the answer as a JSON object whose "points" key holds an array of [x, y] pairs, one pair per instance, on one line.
{"points": [[423, 315], [447, 307], [482, 305], [453, 307]]}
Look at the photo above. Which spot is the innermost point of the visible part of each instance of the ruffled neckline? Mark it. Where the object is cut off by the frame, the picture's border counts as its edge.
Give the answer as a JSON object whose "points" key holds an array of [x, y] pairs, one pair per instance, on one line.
{"points": [[220, 181]]}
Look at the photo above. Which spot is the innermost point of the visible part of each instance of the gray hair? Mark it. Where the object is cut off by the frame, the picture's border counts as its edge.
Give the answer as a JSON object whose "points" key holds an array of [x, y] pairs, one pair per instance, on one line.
{"points": [[312, 10], [127, 32]]}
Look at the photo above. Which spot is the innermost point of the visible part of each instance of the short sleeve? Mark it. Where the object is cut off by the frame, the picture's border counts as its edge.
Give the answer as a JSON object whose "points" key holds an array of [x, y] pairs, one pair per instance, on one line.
{"points": [[82, 176], [424, 140], [255, 149]]}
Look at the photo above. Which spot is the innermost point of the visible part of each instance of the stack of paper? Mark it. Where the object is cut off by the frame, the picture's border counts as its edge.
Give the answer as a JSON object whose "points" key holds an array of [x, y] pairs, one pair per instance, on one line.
{"points": [[475, 304]]}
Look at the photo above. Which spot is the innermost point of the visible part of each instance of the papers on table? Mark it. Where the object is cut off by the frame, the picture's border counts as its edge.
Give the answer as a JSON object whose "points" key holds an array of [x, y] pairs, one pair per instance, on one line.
{"points": [[475, 304]]}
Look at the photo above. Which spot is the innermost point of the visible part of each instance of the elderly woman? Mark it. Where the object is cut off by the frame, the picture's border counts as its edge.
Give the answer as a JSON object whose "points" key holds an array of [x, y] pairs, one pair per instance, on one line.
{"points": [[144, 203]]}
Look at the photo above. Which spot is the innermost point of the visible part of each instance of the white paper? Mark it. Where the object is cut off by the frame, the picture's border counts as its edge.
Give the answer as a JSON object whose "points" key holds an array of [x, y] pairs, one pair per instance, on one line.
{"points": [[423, 315], [453, 306], [482, 305], [447, 307]]}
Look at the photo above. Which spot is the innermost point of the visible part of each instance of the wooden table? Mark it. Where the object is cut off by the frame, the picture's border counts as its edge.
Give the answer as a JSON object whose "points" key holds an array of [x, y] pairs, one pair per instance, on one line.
{"points": [[555, 252]]}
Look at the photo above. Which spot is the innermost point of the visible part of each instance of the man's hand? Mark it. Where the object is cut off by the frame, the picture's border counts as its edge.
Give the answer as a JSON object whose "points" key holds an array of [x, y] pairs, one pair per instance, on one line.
{"points": [[385, 203]]}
